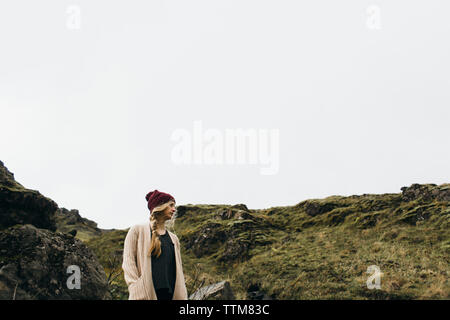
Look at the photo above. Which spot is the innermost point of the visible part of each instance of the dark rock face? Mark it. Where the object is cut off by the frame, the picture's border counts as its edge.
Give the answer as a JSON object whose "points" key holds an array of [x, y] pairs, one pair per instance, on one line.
{"points": [[207, 240], [26, 206], [426, 192], [231, 237], [235, 249], [21, 206], [34, 265], [34, 259]]}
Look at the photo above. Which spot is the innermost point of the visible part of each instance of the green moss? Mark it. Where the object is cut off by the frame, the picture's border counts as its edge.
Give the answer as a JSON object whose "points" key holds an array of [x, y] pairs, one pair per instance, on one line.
{"points": [[297, 256]]}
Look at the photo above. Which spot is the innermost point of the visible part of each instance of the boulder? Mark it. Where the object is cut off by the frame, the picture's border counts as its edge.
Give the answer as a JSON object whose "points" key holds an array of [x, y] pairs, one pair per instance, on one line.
{"points": [[426, 192], [35, 264], [19, 205], [217, 291]]}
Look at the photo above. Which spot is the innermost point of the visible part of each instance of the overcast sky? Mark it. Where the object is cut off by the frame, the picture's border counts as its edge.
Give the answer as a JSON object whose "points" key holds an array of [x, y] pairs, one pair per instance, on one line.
{"points": [[100, 98]]}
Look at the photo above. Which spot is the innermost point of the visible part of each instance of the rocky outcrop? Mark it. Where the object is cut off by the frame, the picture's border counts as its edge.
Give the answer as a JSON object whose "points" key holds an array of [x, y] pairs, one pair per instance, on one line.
{"points": [[227, 213], [207, 241], [34, 259], [34, 265], [72, 217], [70, 221], [236, 248], [240, 206], [426, 192], [7, 178], [231, 213], [21, 206], [217, 291], [231, 237]]}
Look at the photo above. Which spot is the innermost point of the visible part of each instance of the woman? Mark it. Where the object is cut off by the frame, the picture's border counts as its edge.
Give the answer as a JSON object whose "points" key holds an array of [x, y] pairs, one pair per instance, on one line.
{"points": [[151, 256]]}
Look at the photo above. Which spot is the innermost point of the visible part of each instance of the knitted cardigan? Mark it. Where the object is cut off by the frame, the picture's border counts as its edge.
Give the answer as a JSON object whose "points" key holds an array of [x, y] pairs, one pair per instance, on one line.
{"points": [[137, 265]]}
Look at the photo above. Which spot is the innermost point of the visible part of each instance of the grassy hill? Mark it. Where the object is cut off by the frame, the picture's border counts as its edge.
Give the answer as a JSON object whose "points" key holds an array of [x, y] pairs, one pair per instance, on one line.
{"points": [[317, 249]]}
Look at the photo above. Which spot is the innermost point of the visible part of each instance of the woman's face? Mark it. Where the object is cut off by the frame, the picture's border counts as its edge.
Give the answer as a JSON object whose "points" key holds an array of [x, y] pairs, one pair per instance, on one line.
{"points": [[168, 213]]}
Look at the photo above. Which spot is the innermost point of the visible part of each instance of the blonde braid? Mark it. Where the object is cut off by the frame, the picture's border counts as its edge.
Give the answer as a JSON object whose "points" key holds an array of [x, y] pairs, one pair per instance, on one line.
{"points": [[156, 242]]}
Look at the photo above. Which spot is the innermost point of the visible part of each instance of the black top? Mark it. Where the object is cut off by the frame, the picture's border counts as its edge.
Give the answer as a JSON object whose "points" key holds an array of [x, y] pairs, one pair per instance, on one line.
{"points": [[164, 268]]}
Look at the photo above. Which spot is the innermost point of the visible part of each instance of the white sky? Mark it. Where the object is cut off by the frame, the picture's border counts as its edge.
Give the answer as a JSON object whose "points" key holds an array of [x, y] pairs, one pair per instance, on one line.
{"points": [[87, 114]]}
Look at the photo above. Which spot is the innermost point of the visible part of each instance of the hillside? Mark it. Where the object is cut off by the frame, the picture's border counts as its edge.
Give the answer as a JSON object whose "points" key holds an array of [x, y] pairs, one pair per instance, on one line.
{"points": [[317, 249]]}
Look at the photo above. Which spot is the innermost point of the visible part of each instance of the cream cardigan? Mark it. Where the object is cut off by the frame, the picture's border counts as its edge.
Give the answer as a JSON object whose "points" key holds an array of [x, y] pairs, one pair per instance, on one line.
{"points": [[137, 265]]}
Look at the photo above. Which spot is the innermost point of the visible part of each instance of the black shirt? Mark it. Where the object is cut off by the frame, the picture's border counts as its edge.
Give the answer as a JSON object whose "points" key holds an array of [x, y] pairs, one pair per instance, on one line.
{"points": [[164, 268]]}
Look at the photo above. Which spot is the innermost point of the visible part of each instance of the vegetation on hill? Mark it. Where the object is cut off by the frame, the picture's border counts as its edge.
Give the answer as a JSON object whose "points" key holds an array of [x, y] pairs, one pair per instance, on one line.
{"points": [[317, 249]]}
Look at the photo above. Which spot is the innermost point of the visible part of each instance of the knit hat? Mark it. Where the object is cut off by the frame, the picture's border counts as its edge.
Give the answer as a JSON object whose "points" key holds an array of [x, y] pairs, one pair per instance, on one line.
{"points": [[156, 198]]}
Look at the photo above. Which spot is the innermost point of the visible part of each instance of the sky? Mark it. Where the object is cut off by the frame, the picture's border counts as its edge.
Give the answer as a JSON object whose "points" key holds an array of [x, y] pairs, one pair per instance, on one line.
{"points": [[104, 101]]}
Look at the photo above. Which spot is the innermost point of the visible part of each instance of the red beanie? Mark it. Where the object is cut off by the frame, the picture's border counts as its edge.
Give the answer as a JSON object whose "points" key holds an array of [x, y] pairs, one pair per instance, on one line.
{"points": [[156, 198]]}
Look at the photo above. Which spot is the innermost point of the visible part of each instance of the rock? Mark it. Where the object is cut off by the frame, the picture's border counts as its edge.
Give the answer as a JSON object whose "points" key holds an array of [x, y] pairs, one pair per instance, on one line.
{"points": [[207, 240], [73, 232], [70, 221], [316, 207], [26, 207], [230, 240], [34, 265], [255, 293], [72, 217], [426, 192], [233, 213], [240, 206], [235, 249], [19, 205], [214, 235], [7, 178], [217, 291]]}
